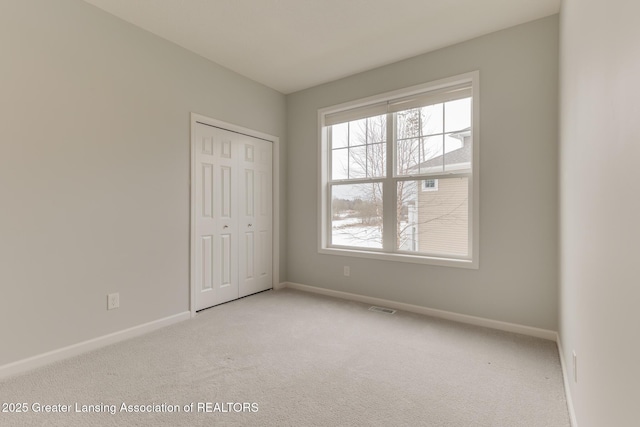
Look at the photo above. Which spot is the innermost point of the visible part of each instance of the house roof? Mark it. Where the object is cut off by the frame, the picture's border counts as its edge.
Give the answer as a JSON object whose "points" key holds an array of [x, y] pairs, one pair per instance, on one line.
{"points": [[460, 156]]}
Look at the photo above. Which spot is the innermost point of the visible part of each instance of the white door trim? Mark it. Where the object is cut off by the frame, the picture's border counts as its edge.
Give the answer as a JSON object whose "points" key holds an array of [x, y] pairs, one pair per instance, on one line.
{"points": [[198, 118]]}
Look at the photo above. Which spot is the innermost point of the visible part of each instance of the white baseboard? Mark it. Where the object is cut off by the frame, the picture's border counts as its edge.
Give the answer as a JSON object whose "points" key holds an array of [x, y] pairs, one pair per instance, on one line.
{"points": [[73, 350], [463, 318], [567, 389]]}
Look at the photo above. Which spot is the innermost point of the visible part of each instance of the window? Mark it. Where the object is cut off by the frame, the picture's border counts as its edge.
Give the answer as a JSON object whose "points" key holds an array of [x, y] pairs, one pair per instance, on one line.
{"points": [[399, 175], [430, 185]]}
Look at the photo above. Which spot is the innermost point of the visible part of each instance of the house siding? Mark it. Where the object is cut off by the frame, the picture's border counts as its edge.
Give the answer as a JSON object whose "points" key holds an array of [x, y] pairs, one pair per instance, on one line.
{"points": [[443, 217]]}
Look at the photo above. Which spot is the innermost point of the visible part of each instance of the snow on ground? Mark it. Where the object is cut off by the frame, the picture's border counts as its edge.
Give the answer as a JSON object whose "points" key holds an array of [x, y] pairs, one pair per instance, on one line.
{"points": [[350, 232]]}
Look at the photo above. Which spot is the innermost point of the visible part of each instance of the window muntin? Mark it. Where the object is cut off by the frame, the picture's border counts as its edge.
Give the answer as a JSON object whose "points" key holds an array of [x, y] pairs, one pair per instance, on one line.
{"points": [[426, 136], [407, 169], [359, 149]]}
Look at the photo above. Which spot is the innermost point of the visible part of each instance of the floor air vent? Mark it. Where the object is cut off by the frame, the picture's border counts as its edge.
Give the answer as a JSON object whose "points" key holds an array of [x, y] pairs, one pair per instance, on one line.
{"points": [[382, 310]]}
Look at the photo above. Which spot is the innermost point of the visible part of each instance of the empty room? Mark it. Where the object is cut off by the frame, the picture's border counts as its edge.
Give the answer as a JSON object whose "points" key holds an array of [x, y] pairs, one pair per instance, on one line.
{"points": [[319, 213]]}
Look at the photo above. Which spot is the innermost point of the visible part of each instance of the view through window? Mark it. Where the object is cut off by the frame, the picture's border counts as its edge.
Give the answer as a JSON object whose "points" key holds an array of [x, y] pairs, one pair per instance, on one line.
{"points": [[400, 175]]}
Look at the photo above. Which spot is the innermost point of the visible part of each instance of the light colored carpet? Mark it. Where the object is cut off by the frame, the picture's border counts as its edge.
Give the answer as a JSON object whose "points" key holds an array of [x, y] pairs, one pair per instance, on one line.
{"points": [[305, 360]]}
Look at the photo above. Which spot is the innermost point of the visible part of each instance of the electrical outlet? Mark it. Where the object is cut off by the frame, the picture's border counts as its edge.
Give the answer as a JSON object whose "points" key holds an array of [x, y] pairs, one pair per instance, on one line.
{"points": [[113, 301], [575, 367], [347, 271]]}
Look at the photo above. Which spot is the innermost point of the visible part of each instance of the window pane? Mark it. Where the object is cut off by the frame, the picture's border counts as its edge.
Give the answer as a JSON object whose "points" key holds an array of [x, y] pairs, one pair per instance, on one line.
{"points": [[356, 215], [357, 132], [432, 147], [377, 129], [408, 123], [340, 135], [407, 157], [377, 160], [339, 162], [432, 220], [432, 119], [457, 115], [358, 162], [457, 151]]}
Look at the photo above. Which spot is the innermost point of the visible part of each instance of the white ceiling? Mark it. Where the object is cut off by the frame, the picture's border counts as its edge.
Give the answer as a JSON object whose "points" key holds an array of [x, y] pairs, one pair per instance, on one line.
{"points": [[291, 45]]}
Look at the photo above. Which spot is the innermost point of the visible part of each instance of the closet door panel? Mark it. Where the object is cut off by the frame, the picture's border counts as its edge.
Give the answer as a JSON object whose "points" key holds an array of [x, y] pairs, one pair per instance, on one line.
{"points": [[255, 270], [216, 217]]}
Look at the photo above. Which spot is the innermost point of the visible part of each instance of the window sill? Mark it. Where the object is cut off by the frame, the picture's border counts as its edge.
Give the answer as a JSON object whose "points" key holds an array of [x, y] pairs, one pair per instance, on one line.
{"points": [[403, 257]]}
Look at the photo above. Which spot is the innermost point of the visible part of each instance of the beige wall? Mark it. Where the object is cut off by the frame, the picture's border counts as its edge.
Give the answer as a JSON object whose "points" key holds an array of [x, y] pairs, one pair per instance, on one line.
{"points": [[517, 278], [600, 208], [94, 170]]}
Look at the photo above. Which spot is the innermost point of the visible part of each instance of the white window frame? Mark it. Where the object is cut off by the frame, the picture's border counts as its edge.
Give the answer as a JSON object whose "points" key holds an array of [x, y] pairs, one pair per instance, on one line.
{"points": [[324, 171]]}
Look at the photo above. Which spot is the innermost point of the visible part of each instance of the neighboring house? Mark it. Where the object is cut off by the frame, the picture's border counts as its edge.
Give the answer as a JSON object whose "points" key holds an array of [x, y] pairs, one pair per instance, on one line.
{"points": [[439, 222]]}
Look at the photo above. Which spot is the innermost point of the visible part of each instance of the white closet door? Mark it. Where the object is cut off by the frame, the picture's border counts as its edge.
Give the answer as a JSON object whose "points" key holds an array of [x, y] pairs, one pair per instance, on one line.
{"points": [[216, 217], [255, 216], [233, 215]]}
